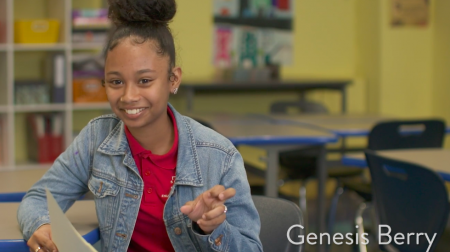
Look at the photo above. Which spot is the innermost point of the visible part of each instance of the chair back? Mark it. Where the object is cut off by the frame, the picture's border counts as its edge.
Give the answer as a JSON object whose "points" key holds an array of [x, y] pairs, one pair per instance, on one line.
{"points": [[304, 107], [277, 216], [407, 135], [409, 199]]}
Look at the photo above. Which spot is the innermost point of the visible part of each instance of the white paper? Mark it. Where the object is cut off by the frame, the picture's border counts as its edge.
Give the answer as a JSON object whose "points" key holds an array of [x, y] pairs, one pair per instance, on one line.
{"points": [[64, 235]]}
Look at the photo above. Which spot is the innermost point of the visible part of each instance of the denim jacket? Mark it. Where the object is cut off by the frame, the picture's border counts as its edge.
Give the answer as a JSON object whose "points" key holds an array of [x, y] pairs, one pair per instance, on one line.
{"points": [[100, 160]]}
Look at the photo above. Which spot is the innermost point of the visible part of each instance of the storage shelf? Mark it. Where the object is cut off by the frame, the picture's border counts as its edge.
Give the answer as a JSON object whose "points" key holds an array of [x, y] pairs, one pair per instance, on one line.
{"points": [[40, 108], [40, 47], [36, 62], [88, 46], [275, 23], [3, 109], [91, 106], [32, 166]]}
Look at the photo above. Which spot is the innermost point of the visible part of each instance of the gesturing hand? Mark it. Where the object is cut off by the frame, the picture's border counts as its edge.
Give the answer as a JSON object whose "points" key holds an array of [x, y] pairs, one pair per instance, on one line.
{"points": [[208, 209]]}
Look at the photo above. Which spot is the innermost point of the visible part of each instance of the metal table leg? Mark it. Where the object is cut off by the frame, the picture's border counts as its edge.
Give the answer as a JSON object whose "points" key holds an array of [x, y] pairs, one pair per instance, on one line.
{"points": [[271, 187], [344, 100], [190, 99], [322, 178]]}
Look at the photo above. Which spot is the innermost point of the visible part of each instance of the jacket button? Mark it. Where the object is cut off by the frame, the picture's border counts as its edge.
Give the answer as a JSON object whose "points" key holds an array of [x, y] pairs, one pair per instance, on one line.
{"points": [[218, 240], [177, 231]]}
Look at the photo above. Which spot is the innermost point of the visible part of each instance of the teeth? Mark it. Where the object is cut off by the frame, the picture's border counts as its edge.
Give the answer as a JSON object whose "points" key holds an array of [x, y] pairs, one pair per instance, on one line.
{"points": [[133, 111]]}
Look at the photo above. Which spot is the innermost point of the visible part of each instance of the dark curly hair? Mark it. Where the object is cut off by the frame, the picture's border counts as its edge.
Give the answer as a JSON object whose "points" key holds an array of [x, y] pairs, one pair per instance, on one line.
{"points": [[143, 20]]}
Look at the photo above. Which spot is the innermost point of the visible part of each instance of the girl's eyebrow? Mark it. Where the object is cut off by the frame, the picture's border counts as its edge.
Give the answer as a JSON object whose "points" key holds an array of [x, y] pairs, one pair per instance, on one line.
{"points": [[138, 72], [113, 73], [147, 70]]}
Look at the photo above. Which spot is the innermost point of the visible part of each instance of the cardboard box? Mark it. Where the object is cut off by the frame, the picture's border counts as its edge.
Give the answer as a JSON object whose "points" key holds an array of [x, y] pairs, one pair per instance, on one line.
{"points": [[88, 90]]}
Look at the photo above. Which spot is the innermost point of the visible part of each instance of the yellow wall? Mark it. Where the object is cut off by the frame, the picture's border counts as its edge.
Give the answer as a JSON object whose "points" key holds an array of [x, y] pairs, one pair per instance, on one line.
{"points": [[406, 68], [324, 39], [368, 51], [397, 63], [192, 29], [441, 62]]}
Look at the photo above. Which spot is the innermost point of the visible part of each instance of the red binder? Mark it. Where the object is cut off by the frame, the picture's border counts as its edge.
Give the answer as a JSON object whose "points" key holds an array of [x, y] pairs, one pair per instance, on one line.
{"points": [[45, 137], [283, 4]]}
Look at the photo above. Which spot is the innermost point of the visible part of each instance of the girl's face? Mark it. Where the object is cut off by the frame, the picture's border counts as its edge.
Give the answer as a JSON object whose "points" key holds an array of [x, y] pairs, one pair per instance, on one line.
{"points": [[137, 83]]}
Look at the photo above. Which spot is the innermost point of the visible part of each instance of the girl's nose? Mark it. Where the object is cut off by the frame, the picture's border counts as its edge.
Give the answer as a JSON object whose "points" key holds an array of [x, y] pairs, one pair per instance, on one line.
{"points": [[131, 94]]}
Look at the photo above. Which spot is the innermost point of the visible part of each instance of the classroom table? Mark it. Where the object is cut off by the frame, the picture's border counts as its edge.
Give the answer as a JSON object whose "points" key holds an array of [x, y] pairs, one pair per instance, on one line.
{"points": [[14, 184], [343, 125], [436, 159], [82, 215], [348, 125], [19, 180], [301, 86], [273, 137]]}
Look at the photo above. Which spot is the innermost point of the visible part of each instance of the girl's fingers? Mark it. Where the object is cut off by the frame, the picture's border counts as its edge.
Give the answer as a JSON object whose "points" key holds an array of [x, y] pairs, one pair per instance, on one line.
{"points": [[32, 244], [227, 194], [44, 243], [214, 213], [216, 190], [48, 245], [209, 225], [220, 193], [187, 208]]}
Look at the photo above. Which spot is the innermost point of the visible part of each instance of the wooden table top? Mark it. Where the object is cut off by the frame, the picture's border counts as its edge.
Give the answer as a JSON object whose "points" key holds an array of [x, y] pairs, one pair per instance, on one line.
{"points": [[82, 215], [19, 181]]}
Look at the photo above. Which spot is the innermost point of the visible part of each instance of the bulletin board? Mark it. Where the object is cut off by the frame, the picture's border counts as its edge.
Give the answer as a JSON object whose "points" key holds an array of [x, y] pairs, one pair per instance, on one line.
{"points": [[252, 33], [410, 13]]}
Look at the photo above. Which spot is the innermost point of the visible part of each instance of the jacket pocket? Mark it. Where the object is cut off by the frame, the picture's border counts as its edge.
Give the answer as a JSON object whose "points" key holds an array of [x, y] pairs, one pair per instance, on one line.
{"points": [[106, 200]]}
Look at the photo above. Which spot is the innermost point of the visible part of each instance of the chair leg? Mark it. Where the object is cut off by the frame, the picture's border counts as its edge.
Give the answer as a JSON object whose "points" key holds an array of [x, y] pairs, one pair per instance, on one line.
{"points": [[373, 218], [303, 205], [333, 208], [359, 222]]}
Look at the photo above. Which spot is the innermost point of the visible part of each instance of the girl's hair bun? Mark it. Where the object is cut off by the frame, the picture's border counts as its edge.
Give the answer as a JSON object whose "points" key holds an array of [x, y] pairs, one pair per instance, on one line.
{"points": [[129, 12]]}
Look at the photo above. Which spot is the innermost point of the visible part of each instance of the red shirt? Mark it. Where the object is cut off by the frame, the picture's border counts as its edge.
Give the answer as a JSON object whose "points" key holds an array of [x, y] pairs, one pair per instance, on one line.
{"points": [[158, 174]]}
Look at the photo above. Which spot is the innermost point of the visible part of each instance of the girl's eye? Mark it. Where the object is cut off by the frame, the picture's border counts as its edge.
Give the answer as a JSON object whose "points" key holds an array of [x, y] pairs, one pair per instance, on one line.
{"points": [[116, 82], [145, 81]]}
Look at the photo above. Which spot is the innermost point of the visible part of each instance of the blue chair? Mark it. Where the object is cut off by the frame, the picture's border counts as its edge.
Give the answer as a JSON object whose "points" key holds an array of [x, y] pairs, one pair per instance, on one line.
{"points": [[386, 136], [410, 199], [407, 135], [277, 216]]}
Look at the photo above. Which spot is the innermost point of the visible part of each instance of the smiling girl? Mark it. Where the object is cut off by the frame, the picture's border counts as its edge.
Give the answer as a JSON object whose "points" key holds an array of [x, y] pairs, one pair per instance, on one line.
{"points": [[161, 181]]}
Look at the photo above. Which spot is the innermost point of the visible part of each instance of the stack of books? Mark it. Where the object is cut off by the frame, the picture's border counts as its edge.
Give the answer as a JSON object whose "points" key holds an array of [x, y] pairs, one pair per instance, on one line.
{"points": [[90, 25]]}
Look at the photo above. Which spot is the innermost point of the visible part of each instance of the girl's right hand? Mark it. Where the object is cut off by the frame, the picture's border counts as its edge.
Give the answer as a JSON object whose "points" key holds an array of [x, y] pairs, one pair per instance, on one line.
{"points": [[42, 238]]}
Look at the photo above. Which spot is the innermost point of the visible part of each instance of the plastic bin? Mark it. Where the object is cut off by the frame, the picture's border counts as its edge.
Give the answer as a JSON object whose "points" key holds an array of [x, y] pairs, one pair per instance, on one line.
{"points": [[36, 31]]}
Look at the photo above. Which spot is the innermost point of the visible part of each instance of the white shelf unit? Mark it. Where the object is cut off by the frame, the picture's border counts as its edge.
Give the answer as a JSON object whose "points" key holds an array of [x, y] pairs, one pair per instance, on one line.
{"points": [[40, 47], [9, 64]]}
